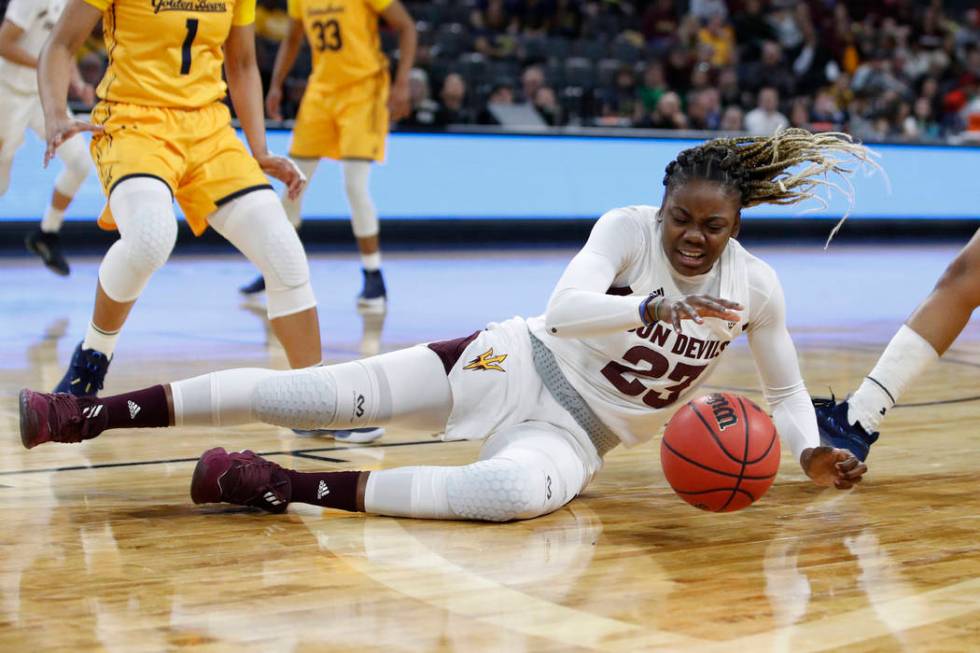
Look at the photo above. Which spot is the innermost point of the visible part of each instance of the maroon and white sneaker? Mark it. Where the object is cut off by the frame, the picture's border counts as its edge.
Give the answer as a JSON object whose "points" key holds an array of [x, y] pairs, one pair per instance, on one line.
{"points": [[241, 477], [59, 417]]}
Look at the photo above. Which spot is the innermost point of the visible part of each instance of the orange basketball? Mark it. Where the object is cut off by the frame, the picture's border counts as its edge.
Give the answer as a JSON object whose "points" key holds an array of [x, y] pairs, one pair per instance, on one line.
{"points": [[720, 452]]}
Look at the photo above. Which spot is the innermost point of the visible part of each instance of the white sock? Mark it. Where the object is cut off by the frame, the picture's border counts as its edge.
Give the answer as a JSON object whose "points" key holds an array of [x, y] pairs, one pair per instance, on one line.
{"points": [[371, 262], [906, 356], [99, 340], [53, 218]]}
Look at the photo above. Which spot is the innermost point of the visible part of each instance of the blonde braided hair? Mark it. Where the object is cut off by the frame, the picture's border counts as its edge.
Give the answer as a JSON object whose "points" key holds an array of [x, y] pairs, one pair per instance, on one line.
{"points": [[785, 168]]}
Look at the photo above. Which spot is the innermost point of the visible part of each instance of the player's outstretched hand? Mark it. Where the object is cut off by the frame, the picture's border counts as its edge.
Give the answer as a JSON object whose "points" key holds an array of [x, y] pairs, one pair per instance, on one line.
{"points": [[828, 466], [59, 131], [399, 101], [273, 103], [285, 171], [692, 307]]}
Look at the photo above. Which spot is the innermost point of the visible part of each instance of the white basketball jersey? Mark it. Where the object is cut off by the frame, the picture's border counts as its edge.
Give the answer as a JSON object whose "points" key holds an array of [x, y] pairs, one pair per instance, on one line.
{"points": [[36, 18], [633, 380]]}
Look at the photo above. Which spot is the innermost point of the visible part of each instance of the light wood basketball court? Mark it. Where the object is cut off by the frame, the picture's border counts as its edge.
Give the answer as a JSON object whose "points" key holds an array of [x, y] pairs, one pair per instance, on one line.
{"points": [[102, 549]]}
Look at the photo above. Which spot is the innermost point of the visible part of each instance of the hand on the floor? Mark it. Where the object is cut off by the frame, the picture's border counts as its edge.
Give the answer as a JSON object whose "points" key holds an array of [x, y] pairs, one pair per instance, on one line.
{"points": [[828, 466], [59, 131], [692, 307], [285, 171]]}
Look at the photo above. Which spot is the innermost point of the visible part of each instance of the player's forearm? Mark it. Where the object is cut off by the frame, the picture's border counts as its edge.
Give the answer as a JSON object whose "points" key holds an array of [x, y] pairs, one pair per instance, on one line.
{"points": [[286, 54], [245, 88], [18, 55], [796, 422], [54, 71], [576, 313], [407, 45]]}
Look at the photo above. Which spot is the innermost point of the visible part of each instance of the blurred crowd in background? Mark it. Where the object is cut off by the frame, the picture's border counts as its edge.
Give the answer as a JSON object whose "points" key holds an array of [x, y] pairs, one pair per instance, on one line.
{"points": [[897, 70]]}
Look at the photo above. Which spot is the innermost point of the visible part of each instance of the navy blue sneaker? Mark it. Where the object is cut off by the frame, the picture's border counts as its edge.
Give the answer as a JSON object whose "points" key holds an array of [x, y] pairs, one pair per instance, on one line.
{"points": [[356, 436], [48, 247], [836, 431], [373, 297], [85, 374], [255, 287]]}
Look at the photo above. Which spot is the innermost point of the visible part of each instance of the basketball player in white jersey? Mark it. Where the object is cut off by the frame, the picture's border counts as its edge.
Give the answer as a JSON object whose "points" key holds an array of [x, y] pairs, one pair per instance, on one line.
{"points": [[928, 333], [23, 32], [635, 326]]}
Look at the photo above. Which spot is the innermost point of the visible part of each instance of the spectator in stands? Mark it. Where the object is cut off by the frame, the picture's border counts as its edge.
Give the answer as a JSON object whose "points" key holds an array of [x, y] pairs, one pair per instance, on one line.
{"points": [[653, 87], [826, 115], [452, 107], [705, 9], [678, 69], [659, 24], [720, 37], [752, 30], [424, 108], [728, 87], [495, 30], [771, 71], [785, 18], [546, 104], [532, 79], [501, 94], [668, 114], [620, 104], [568, 19], [799, 113], [732, 119], [703, 111], [765, 119]]}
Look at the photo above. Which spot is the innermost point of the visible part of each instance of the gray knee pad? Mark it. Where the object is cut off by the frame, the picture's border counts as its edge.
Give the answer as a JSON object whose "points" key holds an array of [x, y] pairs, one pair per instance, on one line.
{"points": [[497, 490], [305, 399]]}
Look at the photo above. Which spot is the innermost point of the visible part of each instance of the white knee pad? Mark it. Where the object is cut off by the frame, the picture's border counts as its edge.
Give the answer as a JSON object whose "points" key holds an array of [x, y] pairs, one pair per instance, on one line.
{"points": [[143, 210], [497, 490], [256, 225], [78, 163], [294, 207], [363, 215], [344, 396]]}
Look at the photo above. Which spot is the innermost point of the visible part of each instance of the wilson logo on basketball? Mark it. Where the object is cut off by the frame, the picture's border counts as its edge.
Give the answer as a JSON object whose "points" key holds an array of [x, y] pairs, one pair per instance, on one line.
{"points": [[723, 411]]}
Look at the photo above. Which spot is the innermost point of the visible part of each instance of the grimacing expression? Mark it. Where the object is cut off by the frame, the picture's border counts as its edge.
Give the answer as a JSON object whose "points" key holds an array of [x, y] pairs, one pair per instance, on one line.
{"points": [[698, 218]]}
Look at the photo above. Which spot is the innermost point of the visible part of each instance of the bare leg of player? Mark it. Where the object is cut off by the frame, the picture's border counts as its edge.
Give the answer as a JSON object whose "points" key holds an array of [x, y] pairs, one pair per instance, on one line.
{"points": [[366, 228], [925, 337]]}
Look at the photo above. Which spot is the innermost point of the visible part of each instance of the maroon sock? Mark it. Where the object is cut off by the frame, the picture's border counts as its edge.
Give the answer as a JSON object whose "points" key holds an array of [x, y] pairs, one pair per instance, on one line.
{"points": [[327, 489], [141, 409]]}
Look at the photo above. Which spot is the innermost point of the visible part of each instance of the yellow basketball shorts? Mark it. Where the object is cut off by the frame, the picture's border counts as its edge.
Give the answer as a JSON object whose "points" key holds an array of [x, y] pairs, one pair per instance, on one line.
{"points": [[195, 152], [350, 122]]}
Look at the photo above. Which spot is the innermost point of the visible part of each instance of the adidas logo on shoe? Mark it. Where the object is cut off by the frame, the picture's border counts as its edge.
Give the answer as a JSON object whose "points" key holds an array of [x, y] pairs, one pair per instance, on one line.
{"points": [[134, 409], [271, 498], [90, 412], [322, 490]]}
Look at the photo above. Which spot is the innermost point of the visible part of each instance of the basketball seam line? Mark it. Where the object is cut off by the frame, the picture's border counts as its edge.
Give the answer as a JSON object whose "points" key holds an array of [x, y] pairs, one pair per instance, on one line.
{"points": [[712, 469], [714, 436], [741, 474], [718, 489]]}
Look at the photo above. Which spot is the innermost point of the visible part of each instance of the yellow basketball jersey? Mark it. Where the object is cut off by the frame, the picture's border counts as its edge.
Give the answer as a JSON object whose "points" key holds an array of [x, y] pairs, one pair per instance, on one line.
{"points": [[167, 53], [344, 39]]}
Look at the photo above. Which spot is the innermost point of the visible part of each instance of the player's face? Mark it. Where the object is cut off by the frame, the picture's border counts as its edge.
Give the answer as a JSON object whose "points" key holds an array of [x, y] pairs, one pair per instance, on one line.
{"points": [[698, 218]]}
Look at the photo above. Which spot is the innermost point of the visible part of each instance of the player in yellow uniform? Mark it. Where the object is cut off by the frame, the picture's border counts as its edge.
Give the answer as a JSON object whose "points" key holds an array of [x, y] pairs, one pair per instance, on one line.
{"points": [[162, 133], [347, 107]]}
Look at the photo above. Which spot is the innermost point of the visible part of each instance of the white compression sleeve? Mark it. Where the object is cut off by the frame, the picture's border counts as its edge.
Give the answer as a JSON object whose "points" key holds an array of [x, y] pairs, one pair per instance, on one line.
{"points": [[905, 358], [363, 215], [217, 399], [579, 306], [408, 389], [778, 366], [294, 207]]}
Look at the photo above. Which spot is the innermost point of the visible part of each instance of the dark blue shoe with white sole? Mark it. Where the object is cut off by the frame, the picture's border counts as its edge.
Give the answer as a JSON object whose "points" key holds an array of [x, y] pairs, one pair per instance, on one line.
{"points": [[836, 431], [356, 436], [374, 296], [254, 288], [86, 373]]}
